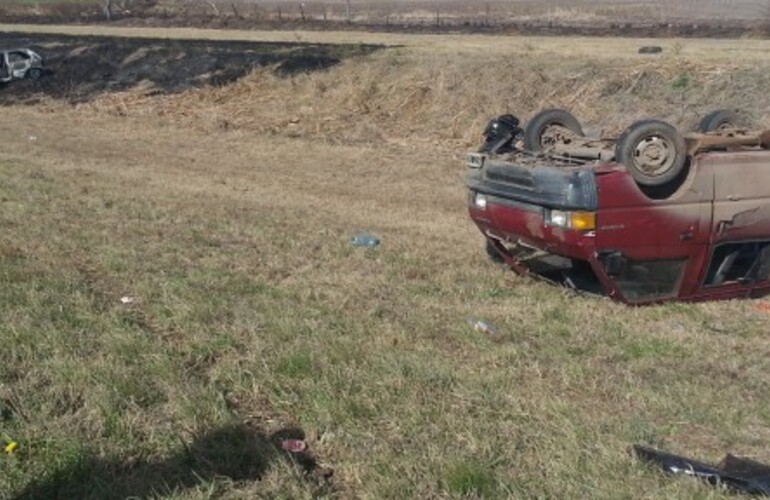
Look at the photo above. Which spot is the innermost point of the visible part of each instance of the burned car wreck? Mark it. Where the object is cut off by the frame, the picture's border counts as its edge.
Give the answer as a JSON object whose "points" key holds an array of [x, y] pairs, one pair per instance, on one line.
{"points": [[650, 216], [17, 64]]}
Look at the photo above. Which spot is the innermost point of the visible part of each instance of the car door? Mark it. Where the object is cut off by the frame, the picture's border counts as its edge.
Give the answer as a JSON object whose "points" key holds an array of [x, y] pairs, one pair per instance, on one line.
{"points": [[4, 66], [18, 63], [741, 225], [652, 248]]}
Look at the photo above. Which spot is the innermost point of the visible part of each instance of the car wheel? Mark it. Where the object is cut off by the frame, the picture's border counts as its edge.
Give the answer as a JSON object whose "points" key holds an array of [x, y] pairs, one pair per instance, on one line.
{"points": [[653, 152], [716, 121], [547, 128], [34, 73]]}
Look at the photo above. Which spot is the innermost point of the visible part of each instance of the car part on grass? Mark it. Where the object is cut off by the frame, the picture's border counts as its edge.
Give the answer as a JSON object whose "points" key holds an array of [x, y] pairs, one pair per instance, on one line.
{"points": [[736, 473], [551, 127], [493, 254], [16, 64], [364, 240]]}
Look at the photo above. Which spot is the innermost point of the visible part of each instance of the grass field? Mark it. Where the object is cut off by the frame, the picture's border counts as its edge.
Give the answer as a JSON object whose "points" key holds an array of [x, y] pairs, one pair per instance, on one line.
{"points": [[225, 215]]}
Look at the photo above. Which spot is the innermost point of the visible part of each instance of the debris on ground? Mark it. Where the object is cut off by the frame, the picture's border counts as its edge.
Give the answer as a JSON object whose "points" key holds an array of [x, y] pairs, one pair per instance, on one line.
{"points": [[9, 444], [126, 300], [364, 240], [651, 49], [294, 445], [482, 327], [11, 447], [736, 473]]}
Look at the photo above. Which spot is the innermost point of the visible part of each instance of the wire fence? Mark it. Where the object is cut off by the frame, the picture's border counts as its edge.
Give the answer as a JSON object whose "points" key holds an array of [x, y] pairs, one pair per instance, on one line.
{"points": [[573, 12]]}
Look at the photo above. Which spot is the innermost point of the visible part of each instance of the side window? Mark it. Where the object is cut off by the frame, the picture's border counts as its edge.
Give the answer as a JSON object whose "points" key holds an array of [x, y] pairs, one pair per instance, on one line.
{"points": [[739, 263], [640, 280], [14, 57]]}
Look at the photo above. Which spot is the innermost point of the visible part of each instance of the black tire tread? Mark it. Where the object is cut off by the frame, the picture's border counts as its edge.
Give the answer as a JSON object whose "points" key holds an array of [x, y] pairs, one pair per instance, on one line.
{"points": [[712, 121], [535, 127]]}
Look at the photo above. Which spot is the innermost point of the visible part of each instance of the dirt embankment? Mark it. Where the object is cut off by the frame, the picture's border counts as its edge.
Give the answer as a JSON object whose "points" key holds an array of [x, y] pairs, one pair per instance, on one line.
{"points": [[80, 68], [402, 96]]}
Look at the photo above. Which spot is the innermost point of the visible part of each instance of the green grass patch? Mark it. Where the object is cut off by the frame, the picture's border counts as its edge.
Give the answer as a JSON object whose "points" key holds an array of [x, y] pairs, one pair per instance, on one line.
{"points": [[469, 478]]}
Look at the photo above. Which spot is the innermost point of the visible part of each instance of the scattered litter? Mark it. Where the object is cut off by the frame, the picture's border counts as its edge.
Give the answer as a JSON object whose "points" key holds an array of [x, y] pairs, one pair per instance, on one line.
{"points": [[33, 138], [126, 300], [364, 240], [10, 445], [294, 445], [736, 473], [482, 327], [763, 307]]}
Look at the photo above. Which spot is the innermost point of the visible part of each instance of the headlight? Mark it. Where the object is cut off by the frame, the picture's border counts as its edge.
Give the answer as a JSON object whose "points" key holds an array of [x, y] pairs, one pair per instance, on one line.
{"points": [[480, 201], [581, 221], [559, 218]]}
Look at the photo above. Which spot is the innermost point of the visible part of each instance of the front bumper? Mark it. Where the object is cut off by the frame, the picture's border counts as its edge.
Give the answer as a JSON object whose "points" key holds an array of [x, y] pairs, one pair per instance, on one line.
{"points": [[516, 217]]}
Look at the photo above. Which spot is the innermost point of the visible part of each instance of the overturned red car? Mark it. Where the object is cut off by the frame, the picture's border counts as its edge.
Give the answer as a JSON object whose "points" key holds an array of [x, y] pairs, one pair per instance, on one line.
{"points": [[650, 216]]}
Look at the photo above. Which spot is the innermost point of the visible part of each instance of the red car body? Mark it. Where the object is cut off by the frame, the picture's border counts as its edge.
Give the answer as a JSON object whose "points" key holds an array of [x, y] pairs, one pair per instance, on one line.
{"points": [[709, 239]]}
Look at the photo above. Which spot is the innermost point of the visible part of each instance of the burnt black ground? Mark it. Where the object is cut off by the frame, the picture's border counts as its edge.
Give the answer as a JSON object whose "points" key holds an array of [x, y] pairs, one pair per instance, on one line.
{"points": [[81, 67]]}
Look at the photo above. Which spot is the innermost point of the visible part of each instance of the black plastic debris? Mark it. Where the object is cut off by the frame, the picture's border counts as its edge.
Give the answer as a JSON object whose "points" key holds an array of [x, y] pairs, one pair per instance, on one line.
{"points": [[736, 473], [500, 133]]}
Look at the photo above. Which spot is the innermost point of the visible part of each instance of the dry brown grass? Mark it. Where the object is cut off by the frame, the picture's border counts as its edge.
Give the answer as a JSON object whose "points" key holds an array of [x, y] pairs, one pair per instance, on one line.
{"points": [[443, 88]]}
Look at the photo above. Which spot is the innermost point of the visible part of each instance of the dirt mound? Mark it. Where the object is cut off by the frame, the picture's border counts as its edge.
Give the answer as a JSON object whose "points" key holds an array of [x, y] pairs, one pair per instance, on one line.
{"points": [[80, 68]]}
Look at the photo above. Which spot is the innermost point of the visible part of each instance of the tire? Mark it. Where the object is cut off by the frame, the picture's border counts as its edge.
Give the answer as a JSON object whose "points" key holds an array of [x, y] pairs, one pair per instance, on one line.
{"points": [[718, 120], [650, 49], [653, 152], [539, 124], [34, 74]]}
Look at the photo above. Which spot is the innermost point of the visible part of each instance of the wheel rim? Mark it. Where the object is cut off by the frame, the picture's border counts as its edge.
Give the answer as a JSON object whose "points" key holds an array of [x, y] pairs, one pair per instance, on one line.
{"points": [[654, 156], [553, 134], [726, 125]]}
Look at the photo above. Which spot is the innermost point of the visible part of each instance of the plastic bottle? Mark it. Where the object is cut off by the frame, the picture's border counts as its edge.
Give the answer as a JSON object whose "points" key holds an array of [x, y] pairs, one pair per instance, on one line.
{"points": [[364, 240], [482, 326]]}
